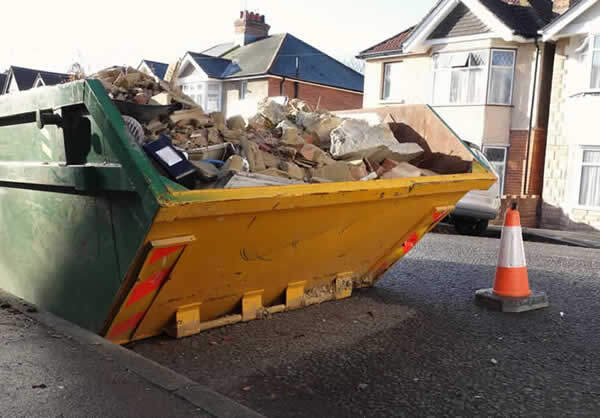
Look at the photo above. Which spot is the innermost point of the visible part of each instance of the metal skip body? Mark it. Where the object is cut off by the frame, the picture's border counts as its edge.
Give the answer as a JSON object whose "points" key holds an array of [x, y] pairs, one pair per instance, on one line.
{"points": [[96, 235]]}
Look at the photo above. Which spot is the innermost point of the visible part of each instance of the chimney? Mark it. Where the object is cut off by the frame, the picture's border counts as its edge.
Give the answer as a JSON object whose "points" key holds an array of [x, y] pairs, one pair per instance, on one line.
{"points": [[561, 6], [250, 27]]}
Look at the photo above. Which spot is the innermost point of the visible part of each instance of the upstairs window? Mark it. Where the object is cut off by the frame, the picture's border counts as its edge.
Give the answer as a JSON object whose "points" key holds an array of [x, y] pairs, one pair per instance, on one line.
{"points": [[471, 78], [501, 77], [391, 81], [595, 63], [460, 78]]}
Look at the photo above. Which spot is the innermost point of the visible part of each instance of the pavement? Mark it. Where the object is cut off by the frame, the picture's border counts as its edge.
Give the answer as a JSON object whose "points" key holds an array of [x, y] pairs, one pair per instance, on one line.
{"points": [[571, 238], [52, 368], [416, 344]]}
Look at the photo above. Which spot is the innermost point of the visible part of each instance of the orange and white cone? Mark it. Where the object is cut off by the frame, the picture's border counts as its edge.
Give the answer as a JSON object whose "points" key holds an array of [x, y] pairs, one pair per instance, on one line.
{"points": [[511, 292]]}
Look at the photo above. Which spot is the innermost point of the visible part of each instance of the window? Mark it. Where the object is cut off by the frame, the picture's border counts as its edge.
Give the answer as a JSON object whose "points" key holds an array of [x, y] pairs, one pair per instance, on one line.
{"points": [[213, 98], [463, 78], [501, 77], [460, 78], [497, 158], [595, 63], [589, 189], [207, 95], [391, 81], [243, 89]]}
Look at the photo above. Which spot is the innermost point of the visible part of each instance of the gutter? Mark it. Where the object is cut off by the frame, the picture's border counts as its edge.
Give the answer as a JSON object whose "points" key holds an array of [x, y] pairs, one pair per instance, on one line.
{"points": [[533, 95]]}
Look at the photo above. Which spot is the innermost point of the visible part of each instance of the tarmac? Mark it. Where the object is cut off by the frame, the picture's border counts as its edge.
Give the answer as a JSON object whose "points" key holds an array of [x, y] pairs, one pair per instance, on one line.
{"points": [[52, 368]]}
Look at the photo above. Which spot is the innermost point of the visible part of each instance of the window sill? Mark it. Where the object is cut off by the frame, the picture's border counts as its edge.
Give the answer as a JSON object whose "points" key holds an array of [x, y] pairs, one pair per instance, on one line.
{"points": [[587, 208], [392, 101], [471, 105]]}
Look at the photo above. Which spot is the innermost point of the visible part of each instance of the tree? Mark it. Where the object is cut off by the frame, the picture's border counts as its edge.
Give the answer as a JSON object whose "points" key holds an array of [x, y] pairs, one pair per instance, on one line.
{"points": [[356, 64]]}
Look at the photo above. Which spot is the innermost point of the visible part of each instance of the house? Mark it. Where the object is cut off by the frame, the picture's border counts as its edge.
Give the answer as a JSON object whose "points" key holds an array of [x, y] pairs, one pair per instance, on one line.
{"points": [[20, 78], [572, 174], [154, 68], [482, 66], [233, 77]]}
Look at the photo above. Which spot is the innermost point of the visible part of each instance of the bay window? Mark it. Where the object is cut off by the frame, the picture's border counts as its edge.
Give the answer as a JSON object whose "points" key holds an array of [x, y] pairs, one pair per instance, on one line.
{"points": [[470, 78], [589, 187]]}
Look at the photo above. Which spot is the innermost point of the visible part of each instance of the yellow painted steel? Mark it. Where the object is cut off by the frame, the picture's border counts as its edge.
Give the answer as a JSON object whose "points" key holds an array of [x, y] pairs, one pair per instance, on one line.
{"points": [[286, 247]]}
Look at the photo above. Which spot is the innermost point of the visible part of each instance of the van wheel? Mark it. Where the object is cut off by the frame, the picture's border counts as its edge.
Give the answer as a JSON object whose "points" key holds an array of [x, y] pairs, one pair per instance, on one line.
{"points": [[470, 226]]}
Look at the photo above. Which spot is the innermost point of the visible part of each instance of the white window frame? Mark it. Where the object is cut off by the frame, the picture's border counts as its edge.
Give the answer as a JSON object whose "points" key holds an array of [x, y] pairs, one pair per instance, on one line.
{"points": [[512, 81], [389, 99], [591, 49], [458, 69], [580, 165], [243, 89], [504, 163], [192, 88], [488, 75]]}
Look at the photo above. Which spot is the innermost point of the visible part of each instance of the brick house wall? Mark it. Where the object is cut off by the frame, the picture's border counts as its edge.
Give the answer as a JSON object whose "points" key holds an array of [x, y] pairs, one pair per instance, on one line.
{"points": [[557, 207], [326, 98]]}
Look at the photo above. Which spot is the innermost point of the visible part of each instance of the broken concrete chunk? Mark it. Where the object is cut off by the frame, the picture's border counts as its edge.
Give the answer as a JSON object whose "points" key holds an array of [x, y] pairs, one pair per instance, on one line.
{"points": [[206, 171], [400, 170], [316, 155], [214, 137], [293, 170], [218, 119], [358, 169], [338, 171], [271, 161], [355, 138], [236, 122], [235, 163], [271, 110], [254, 157], [320, 125], [244, 180], [196, 116]]}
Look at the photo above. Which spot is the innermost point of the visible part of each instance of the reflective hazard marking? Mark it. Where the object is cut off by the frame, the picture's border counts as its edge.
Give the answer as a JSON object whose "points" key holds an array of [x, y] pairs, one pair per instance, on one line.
{"points": [[410, 243], [512, 253], [158, 265]]}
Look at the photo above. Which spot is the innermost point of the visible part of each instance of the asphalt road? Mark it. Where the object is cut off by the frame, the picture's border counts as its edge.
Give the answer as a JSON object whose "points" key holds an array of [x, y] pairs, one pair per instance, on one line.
{"points": [[416, 345]]}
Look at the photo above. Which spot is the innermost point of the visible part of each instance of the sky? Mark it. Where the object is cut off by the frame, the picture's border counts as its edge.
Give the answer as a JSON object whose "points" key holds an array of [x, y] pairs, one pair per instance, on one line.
{"points": [[51, 35]]}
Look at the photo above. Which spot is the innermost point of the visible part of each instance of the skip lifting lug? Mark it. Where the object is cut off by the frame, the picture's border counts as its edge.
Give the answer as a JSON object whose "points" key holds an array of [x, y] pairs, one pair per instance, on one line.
{"points": [[43, 118]]}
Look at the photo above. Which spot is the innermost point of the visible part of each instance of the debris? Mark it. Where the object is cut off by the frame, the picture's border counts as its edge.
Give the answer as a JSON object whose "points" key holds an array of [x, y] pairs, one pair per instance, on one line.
{"points": [[286, 142], [356, 138], [236, 122], [241, 180], [246, 388], [362, 386], [562, 314], [40, 386], [5, 306], [494, 361]]}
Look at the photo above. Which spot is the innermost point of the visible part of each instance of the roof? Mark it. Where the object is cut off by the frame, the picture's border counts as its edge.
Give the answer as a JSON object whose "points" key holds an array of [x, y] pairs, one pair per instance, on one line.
{"points": [[52, 79], [219, 50], [158, 68], [391, 44], [276, 55], [256, 57], [26, 77], [2, 81], [577, 9], [524, 20], [314, 66], [213, 67]]}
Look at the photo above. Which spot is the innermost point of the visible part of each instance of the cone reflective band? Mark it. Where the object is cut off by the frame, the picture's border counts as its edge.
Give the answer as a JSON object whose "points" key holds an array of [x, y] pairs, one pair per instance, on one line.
{"points": [[511, 272]]}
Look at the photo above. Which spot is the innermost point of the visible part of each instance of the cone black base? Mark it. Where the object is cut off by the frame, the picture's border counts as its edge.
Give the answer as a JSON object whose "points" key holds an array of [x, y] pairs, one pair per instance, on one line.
{"points": [[487, 298]]}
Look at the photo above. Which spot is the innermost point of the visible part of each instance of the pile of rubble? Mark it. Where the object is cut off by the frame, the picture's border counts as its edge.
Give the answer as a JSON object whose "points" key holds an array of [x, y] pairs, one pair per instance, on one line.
{"points": [[284, 143]]}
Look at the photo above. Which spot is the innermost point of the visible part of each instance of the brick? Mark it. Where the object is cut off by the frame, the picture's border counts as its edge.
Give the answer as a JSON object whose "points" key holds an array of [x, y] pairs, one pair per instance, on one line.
{"points": [[325, 98]]}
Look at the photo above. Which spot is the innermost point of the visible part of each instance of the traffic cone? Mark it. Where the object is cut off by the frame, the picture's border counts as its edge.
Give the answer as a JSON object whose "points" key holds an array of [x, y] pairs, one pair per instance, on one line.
{"points": [[511, 292]]}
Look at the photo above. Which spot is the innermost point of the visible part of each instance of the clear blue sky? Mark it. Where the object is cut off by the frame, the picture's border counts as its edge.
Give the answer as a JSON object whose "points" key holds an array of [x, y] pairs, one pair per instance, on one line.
{"points": [[52, 34]]}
